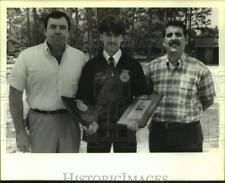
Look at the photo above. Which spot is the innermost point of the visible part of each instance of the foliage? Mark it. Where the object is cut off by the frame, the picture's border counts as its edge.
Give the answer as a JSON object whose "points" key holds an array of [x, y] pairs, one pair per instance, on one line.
{"points": [[144, 27]]}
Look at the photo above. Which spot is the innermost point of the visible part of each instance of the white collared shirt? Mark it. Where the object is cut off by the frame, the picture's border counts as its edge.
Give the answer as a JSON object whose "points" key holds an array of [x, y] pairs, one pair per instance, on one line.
{"points": [[38, 73], [116, 56]]}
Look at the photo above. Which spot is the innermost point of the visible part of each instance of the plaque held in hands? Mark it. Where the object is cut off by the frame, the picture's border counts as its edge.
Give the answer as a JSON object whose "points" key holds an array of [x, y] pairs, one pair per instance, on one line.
{"points": [[141, 109]]}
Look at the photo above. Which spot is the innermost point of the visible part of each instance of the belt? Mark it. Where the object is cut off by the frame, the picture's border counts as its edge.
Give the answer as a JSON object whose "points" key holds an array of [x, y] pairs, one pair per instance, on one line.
{"points": [[50, 112], [174, 124]]}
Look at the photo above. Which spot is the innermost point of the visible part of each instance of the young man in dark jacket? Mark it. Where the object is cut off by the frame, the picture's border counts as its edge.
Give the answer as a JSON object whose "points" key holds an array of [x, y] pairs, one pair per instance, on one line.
{"points": [[110, 81]]}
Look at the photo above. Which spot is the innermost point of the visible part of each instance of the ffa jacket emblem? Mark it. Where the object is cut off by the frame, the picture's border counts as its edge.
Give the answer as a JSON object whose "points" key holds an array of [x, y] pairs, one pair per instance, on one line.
{"points": [[124, 76]]}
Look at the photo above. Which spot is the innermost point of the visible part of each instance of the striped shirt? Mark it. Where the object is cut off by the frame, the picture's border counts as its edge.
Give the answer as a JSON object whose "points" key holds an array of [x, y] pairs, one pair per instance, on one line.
{"points": [[38, 73], [186, 89]]}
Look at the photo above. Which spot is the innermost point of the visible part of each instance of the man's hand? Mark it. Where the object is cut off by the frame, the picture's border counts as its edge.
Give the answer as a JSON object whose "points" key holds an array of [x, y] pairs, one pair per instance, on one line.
{"points": [[93, 127], [22, 141], [16, 109], [133, 125]]}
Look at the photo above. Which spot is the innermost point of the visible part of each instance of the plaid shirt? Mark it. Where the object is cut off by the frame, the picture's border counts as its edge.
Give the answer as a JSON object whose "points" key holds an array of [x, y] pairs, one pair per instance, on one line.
{"points": [[186, 89]]}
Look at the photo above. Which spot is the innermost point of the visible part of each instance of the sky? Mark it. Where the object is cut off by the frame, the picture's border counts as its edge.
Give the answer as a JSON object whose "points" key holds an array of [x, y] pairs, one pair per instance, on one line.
{"points": [[214, 17]]}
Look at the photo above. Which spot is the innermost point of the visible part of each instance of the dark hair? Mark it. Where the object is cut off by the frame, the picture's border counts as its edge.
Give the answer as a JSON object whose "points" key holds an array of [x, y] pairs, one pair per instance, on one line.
{"points": [[176, 24], [57, 14], [112, 23]]}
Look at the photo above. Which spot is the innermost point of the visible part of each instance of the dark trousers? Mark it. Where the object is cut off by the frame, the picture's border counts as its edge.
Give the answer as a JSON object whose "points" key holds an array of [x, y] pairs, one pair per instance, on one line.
{"points": [[123, 140], [175, 137]]}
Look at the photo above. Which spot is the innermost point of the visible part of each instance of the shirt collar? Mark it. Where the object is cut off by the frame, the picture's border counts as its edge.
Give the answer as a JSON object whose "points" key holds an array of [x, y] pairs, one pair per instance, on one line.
{"points": [[179, 62], [47, 50], [116, 56]]}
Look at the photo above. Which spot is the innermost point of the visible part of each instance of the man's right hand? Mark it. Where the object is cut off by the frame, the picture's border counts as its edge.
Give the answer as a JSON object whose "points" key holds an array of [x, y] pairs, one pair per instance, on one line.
{"points": [[23, 142], [16, 109]]}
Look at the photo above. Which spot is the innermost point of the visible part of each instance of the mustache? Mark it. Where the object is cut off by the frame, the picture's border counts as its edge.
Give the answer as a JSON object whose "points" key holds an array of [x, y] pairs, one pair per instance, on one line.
{"points": [[176, 42]]}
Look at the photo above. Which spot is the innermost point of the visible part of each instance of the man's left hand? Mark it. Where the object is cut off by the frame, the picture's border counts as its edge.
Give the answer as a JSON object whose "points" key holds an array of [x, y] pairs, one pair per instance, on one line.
{"points": [[133, 125], [92, 128]]}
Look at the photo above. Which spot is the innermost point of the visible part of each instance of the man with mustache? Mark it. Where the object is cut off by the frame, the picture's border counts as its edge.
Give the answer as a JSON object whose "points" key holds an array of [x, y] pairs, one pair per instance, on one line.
{"points": [[187, 88], [109, 81], [46, 72]]}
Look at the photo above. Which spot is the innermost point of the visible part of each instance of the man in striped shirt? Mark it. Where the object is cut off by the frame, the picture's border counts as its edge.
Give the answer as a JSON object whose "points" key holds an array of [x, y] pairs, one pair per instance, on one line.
{"points": [[187, 88], [46, 72]]}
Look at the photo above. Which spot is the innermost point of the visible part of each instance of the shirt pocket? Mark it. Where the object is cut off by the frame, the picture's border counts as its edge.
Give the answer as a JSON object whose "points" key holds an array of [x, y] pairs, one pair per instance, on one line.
{"points": [[188, 85], [188, 91]]}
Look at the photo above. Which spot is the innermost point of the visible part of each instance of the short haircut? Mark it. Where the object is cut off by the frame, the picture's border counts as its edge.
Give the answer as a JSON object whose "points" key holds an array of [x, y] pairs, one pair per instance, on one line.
{"points": [[176, 24], [57, 14], [112, 23]]}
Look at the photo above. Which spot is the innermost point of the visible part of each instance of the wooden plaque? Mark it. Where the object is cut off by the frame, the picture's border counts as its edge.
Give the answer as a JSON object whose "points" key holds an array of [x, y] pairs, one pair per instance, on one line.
{"points": [[141, 109]]}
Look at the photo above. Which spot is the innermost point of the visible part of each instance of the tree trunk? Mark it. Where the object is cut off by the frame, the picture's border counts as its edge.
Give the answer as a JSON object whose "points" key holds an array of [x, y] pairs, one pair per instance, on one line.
{"points": [[149, 47], [28, 28], [35, 31], [89, 22], [133, 41], [76, 27]]}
